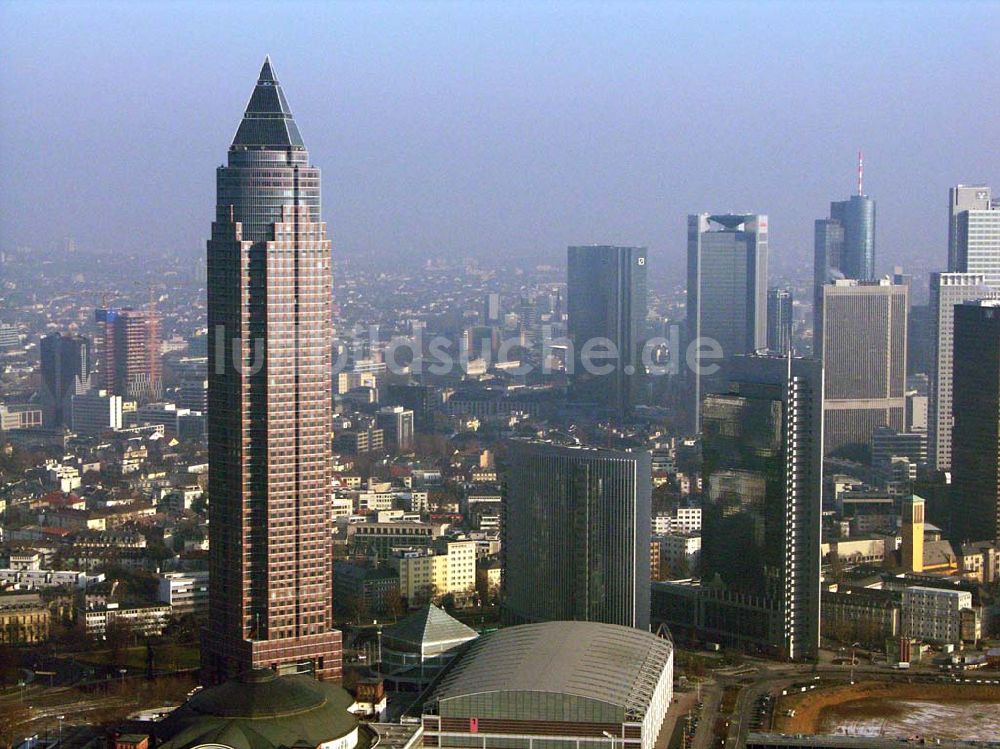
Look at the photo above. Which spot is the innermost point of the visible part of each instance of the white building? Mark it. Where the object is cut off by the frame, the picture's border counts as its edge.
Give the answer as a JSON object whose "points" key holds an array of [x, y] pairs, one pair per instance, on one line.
{"points": [[184, 592], [680, 548], [146, 619], [933, 614], [683, 520]]}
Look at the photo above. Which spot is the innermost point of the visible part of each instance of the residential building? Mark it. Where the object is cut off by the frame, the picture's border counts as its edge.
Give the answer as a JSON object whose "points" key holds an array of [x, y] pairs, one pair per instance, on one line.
{"points": [[24, 619], [934, 614], [426, 574]]}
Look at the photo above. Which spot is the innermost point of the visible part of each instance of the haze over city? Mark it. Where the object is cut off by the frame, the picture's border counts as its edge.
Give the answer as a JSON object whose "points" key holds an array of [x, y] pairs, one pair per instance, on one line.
{"points": [[513, 130]]}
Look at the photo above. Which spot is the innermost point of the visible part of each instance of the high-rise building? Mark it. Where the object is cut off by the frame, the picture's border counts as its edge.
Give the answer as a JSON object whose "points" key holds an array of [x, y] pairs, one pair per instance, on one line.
{"points": [[975, 456], [606, 300], [947, 290], [863, 350], [976, 223], [844, 245], [65, 369], [96, 412], [912, 532], [396, 424], [269, 421], [576, 534], [130, 353], [779, 320], [762, 442], [963, 198], [726, 291]]}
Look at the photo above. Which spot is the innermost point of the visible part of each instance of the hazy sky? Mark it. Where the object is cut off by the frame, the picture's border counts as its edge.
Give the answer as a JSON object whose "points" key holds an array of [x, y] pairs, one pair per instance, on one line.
{"points": [[501, 129]]}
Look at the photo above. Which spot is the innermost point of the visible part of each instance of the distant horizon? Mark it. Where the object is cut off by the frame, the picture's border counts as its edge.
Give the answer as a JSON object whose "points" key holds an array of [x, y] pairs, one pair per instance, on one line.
{"points": [[510, 130]]}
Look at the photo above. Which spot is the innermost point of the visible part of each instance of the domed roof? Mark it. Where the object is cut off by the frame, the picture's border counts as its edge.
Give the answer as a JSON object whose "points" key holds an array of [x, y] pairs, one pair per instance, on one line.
{"points": [[260, 693], [261, 710]]}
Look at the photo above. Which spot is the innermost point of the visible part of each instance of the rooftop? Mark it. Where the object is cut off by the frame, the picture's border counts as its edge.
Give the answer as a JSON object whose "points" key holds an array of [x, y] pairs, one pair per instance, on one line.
{"points": [[602, 662]]}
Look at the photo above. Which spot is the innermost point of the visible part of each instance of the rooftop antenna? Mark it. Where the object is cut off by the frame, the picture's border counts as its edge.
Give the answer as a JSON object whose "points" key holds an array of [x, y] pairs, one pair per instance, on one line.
{"points": [[861, 173]]}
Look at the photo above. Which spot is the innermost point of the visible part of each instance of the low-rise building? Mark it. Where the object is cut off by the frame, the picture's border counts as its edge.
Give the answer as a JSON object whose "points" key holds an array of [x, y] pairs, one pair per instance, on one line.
{"points": [[184, 592], [934, 614], [449, 568], [24, 619], [145, 619]]}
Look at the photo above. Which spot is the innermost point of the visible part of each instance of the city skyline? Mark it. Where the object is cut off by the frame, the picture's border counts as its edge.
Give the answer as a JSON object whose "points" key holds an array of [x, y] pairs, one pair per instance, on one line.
{"points": [[464, 179]]}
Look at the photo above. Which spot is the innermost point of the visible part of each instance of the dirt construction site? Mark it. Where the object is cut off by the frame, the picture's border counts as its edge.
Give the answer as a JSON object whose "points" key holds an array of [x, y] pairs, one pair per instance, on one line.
{"points": [[894, 709]]}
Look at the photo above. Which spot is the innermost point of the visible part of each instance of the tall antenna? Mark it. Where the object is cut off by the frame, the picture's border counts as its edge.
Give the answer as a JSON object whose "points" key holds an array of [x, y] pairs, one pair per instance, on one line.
{"points": [[861, 173]]}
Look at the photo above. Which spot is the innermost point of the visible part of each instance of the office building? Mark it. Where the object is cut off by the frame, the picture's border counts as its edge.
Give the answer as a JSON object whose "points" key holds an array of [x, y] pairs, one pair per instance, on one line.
{"points": [[65, 370], [607, 302], [576, 534], [561, 685], [762, 472], [130, 353], [947, 290], [96, 412], [726, 292], [975, 459], [963, 198], [779, 321], [979, 244], [396, 424], [184, 592], [863, 350], [844, 245], [269, 451]]}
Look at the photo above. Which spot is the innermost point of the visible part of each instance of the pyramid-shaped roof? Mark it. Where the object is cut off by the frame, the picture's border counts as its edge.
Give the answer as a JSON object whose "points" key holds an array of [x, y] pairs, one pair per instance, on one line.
{"points": [[267, 121], [428, 629]]}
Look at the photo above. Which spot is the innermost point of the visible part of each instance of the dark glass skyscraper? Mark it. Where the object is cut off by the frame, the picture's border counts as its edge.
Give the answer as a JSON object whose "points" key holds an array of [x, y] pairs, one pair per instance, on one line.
{"points": [[606, 299], [65, 366], [576, 534], [975, 452], [269, 405], [762, 500]]}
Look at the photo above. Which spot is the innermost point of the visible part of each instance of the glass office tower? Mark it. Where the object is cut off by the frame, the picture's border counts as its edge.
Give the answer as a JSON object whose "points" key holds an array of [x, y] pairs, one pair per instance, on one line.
{"points": [[576, 534], [762, 475]]}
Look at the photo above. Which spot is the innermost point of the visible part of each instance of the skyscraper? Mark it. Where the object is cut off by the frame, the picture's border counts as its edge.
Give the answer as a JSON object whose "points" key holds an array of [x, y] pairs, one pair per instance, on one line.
{"points": [[762, 442], [863, 350], [726, 289], [130, 353], [975, 458], [606, 300], [947, 290], [963, 198], [269, 405], [65, 368], [976, 234], [576, 534], [844, 245], [779, 321]]}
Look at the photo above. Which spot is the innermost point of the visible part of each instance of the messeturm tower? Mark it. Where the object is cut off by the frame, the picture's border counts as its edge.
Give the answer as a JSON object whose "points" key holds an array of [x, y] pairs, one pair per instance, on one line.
{"points": [[269, 405]]}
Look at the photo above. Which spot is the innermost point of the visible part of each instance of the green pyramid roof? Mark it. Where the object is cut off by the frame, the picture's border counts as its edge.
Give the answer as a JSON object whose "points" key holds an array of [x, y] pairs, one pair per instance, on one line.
{"points": [[427, 629]]}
